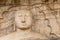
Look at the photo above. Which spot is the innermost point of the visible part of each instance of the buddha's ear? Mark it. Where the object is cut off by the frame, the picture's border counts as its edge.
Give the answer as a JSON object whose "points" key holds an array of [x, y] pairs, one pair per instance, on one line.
{"points": [[1, 17]]}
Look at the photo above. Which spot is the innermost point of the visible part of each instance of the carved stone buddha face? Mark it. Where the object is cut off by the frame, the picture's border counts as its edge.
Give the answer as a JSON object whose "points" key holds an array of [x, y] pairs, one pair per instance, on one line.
{"points": [[23, 19]]}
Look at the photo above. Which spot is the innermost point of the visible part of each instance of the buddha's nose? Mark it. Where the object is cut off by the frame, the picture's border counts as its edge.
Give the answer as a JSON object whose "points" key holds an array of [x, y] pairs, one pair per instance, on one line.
{"points": [[23, 19]]}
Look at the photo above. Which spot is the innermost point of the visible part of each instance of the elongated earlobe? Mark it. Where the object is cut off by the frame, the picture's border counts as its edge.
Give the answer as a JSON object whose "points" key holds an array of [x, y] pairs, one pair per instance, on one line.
{"points": [[1, 16]]}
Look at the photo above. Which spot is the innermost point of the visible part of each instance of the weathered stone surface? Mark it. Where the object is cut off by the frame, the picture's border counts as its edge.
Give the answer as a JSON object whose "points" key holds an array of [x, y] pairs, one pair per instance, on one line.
{"points": [[46, 17]]}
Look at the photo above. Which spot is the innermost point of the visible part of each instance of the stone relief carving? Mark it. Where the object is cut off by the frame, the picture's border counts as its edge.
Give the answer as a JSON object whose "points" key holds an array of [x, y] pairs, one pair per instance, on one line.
{"points": [[25, 29], [6, 21], [46, 22]]}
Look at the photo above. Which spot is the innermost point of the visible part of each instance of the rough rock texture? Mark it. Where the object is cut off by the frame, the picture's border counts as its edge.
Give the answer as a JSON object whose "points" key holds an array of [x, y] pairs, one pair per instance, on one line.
{"points": [[46, 15]]}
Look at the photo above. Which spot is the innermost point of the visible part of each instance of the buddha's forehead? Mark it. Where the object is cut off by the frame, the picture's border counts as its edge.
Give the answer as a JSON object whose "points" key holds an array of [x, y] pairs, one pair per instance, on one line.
{"points": [[23, 12]]}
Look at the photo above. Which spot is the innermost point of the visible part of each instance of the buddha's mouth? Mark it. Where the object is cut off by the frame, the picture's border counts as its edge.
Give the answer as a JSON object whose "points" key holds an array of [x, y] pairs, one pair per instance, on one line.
{"points": [[25, 28]]}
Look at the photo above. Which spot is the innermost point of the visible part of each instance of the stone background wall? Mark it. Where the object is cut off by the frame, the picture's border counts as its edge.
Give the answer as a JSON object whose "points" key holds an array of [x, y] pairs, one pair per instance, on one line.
{"points": [[46, 14]]}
